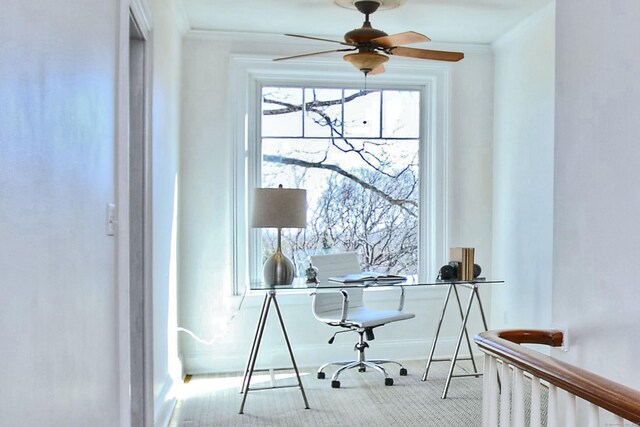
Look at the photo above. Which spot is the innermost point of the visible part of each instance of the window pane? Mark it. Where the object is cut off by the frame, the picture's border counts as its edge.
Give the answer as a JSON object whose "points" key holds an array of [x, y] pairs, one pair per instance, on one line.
{"points": [[281, 111], [288, 161], [362, 192], [323, 117], [400, 114], [362, 114]]}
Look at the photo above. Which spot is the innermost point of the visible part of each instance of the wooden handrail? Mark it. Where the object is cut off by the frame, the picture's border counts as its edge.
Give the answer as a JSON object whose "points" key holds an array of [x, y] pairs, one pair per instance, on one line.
{"points": [[609, 395]]}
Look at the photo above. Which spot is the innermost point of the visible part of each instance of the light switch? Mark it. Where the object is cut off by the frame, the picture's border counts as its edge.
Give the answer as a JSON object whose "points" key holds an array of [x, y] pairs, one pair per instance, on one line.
{"points": [[111, 219]]}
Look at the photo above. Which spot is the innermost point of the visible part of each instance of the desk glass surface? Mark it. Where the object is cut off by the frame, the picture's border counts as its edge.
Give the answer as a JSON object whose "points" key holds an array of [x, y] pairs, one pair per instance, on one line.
{"points": [[411, 281], [300, 284]]}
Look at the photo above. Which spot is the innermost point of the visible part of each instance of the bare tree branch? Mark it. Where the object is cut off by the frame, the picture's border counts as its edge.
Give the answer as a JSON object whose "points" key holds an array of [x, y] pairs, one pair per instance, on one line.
{"points": [[337, 169], [291, 108]]}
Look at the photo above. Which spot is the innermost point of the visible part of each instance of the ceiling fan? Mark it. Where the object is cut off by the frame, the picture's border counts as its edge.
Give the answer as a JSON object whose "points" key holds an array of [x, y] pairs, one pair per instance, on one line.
{"points": [[373, 45]]}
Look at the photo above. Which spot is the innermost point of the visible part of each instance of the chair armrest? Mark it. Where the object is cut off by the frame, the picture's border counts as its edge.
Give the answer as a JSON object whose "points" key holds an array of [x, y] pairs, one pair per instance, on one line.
{"points": [[345, 305], [345, 301], [401, 305], [401, 302]]}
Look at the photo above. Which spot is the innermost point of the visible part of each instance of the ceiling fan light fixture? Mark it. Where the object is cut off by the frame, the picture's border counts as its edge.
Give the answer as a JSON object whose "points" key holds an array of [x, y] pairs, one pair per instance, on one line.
{"points": [[366, 42], [366, 61]]}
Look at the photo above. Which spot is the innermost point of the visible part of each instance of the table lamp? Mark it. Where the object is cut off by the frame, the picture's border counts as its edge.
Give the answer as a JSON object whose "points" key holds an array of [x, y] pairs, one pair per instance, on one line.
{"points": [[279, 208]]}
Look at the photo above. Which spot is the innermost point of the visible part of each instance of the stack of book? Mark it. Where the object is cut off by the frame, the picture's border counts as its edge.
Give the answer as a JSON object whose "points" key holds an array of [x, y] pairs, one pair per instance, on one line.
{"points": [[464, 258]]}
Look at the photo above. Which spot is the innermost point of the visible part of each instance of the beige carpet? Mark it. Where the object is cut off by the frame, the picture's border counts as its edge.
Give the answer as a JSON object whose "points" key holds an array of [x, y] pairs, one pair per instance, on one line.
{"points": [[362, 400]]}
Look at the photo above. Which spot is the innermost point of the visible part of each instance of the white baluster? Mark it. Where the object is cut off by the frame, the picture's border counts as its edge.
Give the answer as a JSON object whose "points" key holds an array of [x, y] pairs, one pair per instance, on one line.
{"points": [[493, 396], [535, 420], [518, 397], [594, 416], [490, 393], [552, 408], [486, 392], [486, 386], [505, 396], [570, 415]]}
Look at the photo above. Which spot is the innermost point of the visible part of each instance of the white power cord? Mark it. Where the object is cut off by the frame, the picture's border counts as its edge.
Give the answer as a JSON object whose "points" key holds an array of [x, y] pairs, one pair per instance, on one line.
{"points": [[225, 328]]}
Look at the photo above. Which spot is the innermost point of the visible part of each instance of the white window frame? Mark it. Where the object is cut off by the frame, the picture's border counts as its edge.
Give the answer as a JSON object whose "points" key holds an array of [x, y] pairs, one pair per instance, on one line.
{"points": [[248, 74]]}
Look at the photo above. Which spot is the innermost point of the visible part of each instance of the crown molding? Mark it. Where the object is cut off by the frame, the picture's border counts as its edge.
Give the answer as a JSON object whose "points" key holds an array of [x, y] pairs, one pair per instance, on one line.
{"points": [[524, 27]]}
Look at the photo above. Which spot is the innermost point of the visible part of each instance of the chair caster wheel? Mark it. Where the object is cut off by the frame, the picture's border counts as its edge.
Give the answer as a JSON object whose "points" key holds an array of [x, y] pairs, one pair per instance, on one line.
{"points": [[362, 369], [321, 375], [388, 381], [403, 372], [335, 384]]}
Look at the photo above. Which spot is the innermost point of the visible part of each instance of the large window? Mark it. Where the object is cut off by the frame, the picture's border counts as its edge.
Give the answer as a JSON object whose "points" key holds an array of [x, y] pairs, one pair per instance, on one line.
{"points": [[374, 162], [357, 153]]}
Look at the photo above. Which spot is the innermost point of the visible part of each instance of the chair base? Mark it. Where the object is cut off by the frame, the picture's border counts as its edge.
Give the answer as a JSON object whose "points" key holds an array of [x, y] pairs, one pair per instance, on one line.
{"points": [[362, 364]]}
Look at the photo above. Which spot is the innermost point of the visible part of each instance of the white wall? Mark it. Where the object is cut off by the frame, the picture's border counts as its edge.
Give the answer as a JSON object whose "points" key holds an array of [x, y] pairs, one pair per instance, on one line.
{"points": [[523, 173], [169, 25], [58, 323], [597, 204], [206, 222], [61, 360], [470, 162]]}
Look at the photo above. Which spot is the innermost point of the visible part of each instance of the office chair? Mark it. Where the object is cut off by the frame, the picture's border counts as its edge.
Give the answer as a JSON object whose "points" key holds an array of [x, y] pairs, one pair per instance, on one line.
{"points": [[345, 308]]}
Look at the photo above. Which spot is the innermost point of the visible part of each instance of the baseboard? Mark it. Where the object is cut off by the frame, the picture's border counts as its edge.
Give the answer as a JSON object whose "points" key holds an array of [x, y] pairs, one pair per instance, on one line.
{"points": [[234, 360], [164, 404]]}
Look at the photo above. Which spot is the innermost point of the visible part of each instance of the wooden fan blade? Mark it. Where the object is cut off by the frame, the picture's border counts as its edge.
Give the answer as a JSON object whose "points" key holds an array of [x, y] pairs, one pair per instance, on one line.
{"points": [[438, 55], [312, 53], [400, 39], [378, 70], [318, 38]]}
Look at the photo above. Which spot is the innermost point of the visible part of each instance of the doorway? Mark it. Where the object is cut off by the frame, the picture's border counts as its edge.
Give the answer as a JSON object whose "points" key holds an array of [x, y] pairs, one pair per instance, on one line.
{"points": [[140, 296]]}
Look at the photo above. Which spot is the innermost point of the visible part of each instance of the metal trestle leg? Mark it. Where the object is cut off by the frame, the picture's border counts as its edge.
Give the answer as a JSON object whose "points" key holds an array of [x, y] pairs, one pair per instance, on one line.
{"points": [[464, 316], [269, 298]]}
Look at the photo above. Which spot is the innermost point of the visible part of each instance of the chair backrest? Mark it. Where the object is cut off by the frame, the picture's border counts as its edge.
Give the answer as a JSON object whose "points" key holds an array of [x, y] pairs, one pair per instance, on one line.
{"points": [[335, 265]]}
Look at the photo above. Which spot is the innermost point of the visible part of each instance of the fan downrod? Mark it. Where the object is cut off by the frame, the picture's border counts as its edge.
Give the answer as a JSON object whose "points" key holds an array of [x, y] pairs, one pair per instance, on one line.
{"points": [[361, 36]]}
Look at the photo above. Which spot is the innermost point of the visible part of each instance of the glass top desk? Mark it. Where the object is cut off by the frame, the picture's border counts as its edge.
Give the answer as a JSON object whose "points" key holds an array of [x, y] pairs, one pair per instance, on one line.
{"points": [[410, 282]]}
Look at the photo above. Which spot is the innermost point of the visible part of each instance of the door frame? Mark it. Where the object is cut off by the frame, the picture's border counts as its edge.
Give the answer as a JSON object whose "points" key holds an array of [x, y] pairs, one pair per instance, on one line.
{"points": [[134, 338]]}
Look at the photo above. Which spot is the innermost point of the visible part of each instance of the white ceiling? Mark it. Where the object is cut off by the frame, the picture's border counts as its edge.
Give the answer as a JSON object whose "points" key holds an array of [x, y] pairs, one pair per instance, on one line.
{"points": [[456, 21]]}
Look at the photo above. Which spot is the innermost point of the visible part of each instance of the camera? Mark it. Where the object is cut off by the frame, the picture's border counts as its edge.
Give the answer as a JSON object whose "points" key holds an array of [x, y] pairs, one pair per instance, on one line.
{"points": [[450, 271]]}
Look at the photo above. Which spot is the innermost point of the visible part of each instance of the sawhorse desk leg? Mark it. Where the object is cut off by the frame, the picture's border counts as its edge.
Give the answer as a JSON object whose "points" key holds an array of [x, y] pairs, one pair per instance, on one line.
{"points": [[464, 316], [270, 297]]}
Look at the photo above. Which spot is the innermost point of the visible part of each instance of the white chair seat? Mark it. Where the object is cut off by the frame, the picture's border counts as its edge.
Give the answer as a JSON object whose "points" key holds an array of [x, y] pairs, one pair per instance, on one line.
{"points": [[364, 317]]}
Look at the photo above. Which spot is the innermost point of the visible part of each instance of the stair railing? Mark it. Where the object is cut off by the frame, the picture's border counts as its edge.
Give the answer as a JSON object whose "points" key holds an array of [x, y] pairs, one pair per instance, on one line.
{"points": [[504, 401]]}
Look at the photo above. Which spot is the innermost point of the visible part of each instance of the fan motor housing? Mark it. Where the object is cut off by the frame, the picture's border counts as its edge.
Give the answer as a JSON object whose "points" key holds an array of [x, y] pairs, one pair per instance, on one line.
{"points": [[363, 35]]}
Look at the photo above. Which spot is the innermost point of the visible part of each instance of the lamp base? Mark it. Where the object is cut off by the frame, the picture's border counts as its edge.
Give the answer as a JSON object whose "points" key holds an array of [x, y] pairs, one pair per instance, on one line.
{"points": [[278, 270]]}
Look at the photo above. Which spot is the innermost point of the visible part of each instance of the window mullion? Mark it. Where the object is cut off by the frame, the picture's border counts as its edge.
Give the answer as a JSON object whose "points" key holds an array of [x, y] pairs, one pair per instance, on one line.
{"points": [[381, 123], [304, 110], [342, 114]]}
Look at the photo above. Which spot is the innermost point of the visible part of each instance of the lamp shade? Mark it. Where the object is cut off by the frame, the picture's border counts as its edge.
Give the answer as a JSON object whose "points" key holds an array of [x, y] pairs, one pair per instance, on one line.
{"points": [[366, 61], [279, 208]]}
